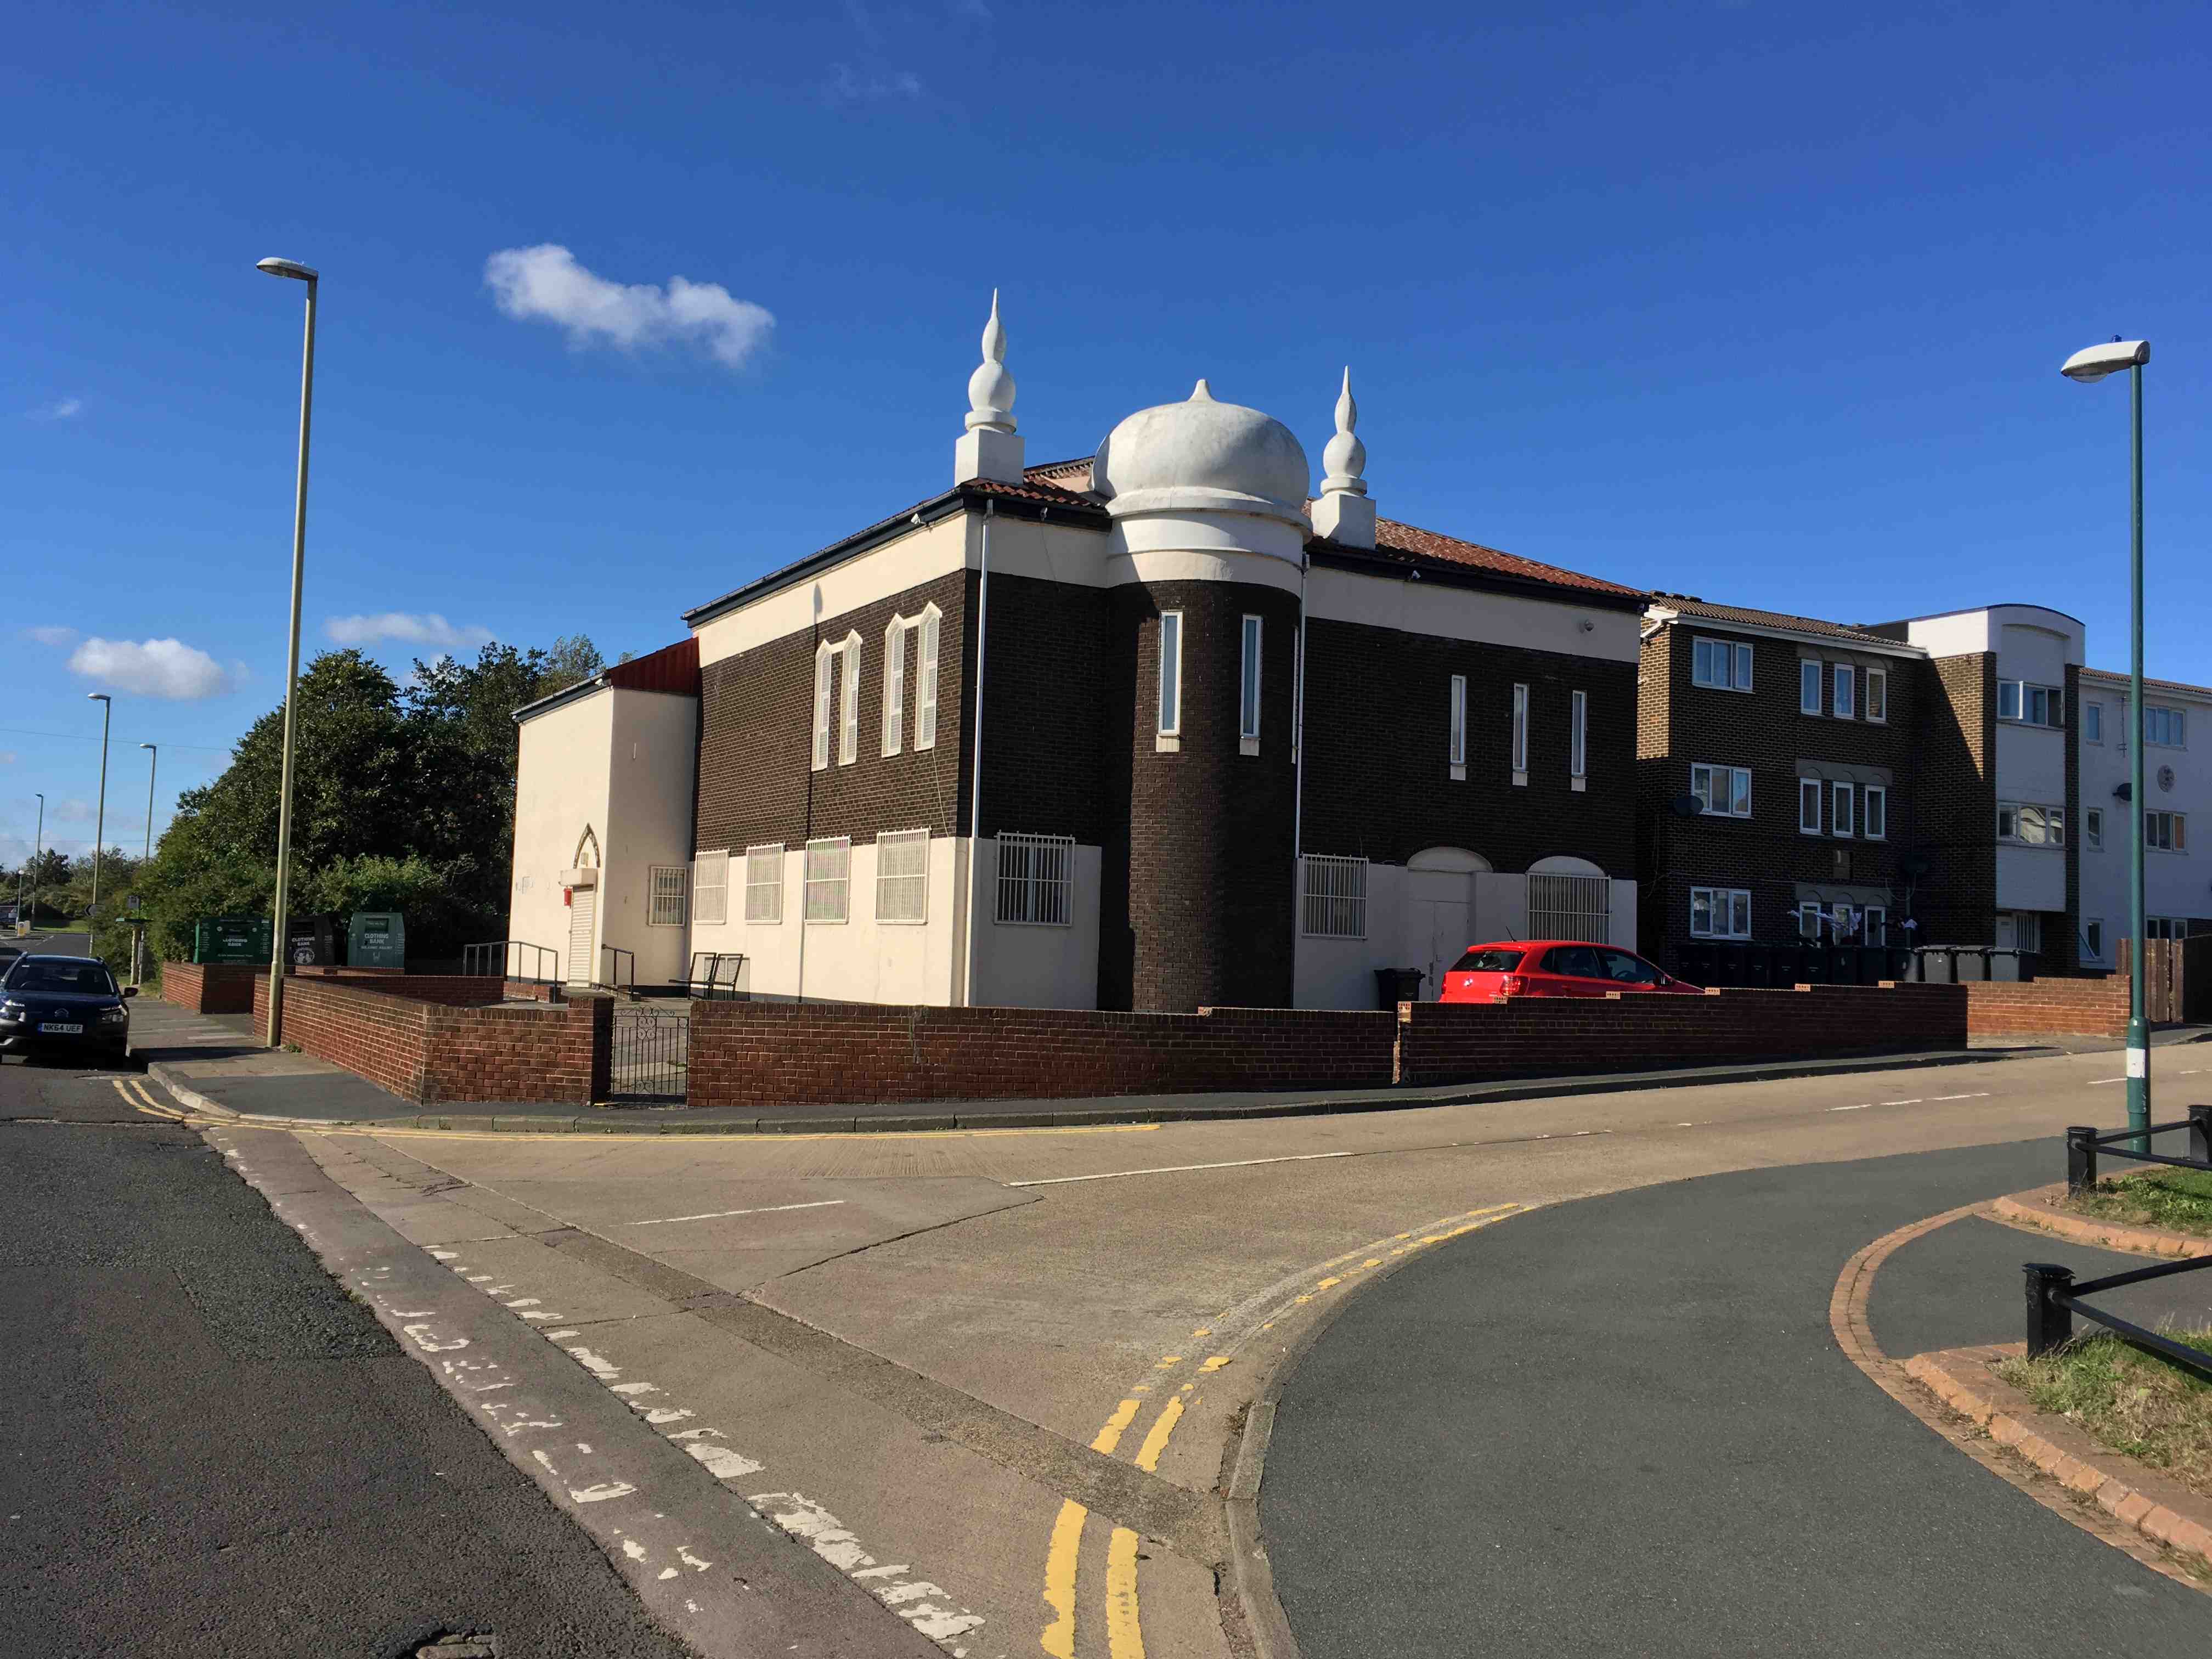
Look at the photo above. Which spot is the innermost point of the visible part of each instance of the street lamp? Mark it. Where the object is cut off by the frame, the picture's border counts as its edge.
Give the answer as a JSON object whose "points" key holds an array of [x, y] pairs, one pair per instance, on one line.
{"points": [[2088, 365], [37, 852], [138, 936], [100, 823], [298, 272]]}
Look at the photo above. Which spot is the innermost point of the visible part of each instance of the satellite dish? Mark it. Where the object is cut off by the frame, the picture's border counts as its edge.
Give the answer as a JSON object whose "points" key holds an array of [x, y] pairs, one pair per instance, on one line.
{"points": [[2125, 792], [1686, 807], [1914, 865]]}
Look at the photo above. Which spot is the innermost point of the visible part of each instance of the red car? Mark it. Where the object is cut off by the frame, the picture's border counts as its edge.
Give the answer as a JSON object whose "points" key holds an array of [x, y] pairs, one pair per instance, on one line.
{"points": [[1553, 968]]}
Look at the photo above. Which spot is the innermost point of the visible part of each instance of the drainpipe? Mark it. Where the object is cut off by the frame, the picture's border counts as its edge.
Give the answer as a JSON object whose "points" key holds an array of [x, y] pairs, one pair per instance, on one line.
{"points": [[800, 993], [976, 769], [1298, 782]]}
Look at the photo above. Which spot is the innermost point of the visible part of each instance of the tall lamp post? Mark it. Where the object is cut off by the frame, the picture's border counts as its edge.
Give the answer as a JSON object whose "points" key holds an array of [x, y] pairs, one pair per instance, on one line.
{"points": [[2090, 364], [298, 272], [38, 853], [99, 822], [138, 936]]}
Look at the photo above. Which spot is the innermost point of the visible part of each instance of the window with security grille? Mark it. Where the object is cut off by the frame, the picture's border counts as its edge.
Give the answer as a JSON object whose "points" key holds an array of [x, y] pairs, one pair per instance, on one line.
{"points": [[764, 883], [1037, 880], [902, 876], [669, 885], [1334, 897], [710, 888], [829, 878], [1571, 906]]}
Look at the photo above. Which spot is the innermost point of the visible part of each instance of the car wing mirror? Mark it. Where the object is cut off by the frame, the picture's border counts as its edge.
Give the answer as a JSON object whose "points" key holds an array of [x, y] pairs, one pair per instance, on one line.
{"points": [[129, 990]]}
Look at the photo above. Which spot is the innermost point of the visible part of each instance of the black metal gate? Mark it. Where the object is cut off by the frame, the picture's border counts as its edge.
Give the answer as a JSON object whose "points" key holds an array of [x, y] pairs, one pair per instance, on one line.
{"points": [[650, 1050]]}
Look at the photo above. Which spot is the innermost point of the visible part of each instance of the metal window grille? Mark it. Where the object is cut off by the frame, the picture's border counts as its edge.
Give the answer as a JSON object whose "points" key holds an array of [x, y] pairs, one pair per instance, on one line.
{"points": [[671, 885], [1037, 880], [902, 876], [1571, 906], [764, 883], [829, 878], [1334, 892], [710, 888]]}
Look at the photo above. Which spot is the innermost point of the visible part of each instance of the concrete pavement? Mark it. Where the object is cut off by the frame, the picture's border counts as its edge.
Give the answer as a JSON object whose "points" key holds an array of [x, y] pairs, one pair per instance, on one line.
{"points": [[1014, 1365]]}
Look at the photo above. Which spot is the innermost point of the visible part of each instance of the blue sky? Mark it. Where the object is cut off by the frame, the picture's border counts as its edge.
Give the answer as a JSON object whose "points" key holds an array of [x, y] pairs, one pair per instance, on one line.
{"points": [[1748, 301]]}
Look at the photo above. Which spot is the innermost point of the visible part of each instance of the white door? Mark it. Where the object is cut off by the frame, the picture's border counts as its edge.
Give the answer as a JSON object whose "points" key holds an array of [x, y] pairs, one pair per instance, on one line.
{"points": [[2008, 930], [1438, 915], [583, 934]]}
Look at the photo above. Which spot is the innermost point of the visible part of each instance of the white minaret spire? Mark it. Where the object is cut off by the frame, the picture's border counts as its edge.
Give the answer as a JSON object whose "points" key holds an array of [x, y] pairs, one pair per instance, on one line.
{"points": [[991, 448], [1343, 514]]}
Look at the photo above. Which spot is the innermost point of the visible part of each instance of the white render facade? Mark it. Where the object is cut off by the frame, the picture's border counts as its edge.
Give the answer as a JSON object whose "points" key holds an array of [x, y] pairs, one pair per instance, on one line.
{"points": [[2177, 796]]}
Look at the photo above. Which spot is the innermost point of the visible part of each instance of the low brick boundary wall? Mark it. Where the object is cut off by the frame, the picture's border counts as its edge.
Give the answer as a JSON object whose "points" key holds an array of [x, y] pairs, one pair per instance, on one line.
{"points": [[210, 987], [762, 1054], [455, 1043], [2081, 1007]]}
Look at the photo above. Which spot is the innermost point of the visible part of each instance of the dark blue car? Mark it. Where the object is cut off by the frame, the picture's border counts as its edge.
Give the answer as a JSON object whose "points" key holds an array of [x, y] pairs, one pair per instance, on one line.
{"points": [[65, 1005]]}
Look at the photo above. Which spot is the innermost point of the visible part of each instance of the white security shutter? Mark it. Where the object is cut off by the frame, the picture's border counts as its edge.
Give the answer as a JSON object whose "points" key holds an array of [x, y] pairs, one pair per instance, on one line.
{"points": [[925, 712], [583, 959], [894, 685], [825, 661], [849, 742]]}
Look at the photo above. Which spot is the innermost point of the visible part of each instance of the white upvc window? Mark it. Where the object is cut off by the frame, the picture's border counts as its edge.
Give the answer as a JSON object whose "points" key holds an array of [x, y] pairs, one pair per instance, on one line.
{"points": [[1720, 912], [1846, 691], [1808, 686], [925, 700], [1721, 791], [1578, 734], [1520, 734], [829, 878], [2092, 825], [764, 883], [849, 740], [902, 876], [1808, 805], [1846, 798], [667, 887], [1811, 921], [1722, 664], [710, 888], [1036, 881], [2167, 832], [1170, 708], [894, 684], [2165, 728], [2092, 938], [2031, 704], [1458, 751], [1877, 695], [1247, 688], [1873, 924], [2030, 824], [1873, 812], [2092, 722], [825, 678], [1333, 894]]}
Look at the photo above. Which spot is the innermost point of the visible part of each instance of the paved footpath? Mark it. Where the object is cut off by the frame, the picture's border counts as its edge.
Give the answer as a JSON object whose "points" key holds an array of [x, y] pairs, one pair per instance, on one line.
{"points": [[1623, 1427]]}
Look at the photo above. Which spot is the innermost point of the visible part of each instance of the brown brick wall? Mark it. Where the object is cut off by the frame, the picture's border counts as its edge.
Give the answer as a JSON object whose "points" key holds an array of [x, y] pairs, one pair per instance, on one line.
{"points": [[780, 1053], [1958, 732], [1378, 726], [2087, 1008], [211, 988]]}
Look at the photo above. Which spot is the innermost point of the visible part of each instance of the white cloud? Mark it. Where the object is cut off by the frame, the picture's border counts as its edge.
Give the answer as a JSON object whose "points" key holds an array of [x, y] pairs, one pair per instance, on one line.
{"points": [[409, 629], [850, 85], [545, 284], [152, 668], [53, 636], [61, 408]]}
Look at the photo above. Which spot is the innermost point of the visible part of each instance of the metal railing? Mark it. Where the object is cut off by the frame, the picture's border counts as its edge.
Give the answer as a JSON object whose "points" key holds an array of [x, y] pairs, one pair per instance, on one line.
{"points": [[715, 975], [507, 956], [2054, 1296], [622, 969], [649, 1056]]}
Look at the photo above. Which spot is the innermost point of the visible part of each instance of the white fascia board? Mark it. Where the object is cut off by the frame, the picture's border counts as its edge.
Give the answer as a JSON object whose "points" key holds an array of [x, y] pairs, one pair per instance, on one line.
{"points": [[1661, 615]]}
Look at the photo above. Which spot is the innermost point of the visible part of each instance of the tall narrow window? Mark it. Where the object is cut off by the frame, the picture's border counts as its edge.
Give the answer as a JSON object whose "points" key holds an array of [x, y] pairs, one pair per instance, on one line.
{"points": [[849, 741], [1808, 686], [1247, 690], [1520, 734], [1846, 692], [925, 701], [710, 888], [1878, 695], [825, 669], [1170, 723], [1874, 813], [894, 685], [1846, 798], [1578, 735], [2093, 721], [1808, 805], [1459, 725]]}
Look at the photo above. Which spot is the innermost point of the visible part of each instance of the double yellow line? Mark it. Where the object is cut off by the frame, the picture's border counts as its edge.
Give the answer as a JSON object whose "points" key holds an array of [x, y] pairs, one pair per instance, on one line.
{"points": [[139, 1097]]}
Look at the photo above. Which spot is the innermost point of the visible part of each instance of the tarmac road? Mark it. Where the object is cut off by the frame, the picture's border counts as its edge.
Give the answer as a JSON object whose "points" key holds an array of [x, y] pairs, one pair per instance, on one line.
{"points": [[210, 1451], [1621, 1426]]}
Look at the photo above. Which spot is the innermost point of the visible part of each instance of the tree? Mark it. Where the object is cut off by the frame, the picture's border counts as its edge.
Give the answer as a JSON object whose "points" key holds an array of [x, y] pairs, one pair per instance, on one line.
{"points": [[573, 659]]}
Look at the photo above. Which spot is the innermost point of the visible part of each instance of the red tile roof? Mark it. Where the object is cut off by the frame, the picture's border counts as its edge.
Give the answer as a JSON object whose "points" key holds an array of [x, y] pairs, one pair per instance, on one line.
{"points": [[1033, 489], [1727, 613], [2112, 676]]}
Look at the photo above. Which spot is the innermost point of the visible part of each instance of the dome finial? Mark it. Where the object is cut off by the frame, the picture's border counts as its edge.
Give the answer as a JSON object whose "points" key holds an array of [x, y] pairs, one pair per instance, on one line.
{"points": [[990, 448], [1201, 393], [1343, 514]]}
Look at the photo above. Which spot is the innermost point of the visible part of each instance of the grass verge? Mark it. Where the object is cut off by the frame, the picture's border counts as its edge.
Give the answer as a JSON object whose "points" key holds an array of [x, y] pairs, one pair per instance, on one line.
{"points": [[2180, 1201], [2142, 1408]]}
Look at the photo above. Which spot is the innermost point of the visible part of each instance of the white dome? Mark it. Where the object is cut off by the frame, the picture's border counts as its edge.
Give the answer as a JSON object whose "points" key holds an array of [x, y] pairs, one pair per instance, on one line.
{"points": [[1203, 456]]}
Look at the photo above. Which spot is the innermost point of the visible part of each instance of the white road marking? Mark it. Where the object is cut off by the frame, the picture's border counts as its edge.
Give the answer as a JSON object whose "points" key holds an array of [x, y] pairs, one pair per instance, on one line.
{"points": [[1183, 1168], [914, 1600], [2094, 1081], [718, 1215], [1984, 1095], [1851, 1108]]}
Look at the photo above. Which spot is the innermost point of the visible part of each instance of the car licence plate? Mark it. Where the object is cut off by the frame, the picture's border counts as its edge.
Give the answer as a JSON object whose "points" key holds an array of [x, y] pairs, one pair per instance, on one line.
{"points": [[63, 1031]]}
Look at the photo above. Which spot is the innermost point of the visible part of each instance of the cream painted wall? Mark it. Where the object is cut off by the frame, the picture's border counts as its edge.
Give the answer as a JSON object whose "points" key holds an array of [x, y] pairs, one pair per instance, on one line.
{"points": [[1462, 613], [920, 555], [1024, 966], [2174, 883], [563, 776], [2031, 878], [2031, 763], [654, 748]]}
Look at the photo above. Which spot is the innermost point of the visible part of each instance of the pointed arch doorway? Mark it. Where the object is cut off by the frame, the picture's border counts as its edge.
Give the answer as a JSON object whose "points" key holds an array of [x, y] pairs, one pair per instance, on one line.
{"points": [[583, 886]]}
